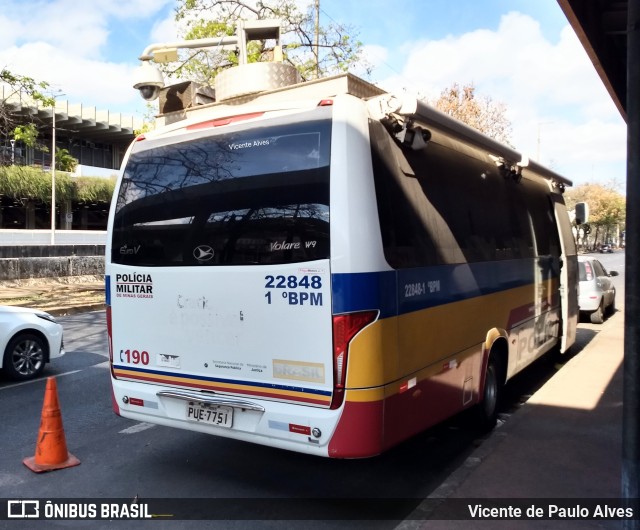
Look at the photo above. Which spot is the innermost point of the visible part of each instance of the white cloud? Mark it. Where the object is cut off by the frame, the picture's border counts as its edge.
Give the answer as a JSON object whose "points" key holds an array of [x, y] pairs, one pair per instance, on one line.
{"points": [[128, 8], [78, 79], [165, 30], [79, 28], [550, 87], [63, 24], [66, 43], [373, 57], [10, 31]]}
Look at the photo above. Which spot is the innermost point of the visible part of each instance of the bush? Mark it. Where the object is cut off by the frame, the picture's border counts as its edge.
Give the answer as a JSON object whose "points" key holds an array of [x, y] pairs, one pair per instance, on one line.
{"points": [[94, 189], [24, 182]]}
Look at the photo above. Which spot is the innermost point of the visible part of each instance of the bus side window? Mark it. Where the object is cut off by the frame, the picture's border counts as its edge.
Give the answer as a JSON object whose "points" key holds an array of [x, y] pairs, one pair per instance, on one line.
{"points": [[406, 241], [474, 202]]}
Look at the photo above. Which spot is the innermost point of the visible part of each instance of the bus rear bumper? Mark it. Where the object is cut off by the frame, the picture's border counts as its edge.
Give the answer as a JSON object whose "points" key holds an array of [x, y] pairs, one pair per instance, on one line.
{"points": [[304, 429]]}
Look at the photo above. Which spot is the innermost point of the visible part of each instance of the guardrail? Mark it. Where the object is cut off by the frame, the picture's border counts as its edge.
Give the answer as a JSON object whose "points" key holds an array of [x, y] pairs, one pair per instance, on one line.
{"points": [[19, 237]]}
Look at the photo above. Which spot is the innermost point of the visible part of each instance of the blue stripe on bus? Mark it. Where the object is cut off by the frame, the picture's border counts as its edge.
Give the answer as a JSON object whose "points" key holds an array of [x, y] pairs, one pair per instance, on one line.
{"points": [[424, 287], [107, 289], [364, 290], [221, 380]]}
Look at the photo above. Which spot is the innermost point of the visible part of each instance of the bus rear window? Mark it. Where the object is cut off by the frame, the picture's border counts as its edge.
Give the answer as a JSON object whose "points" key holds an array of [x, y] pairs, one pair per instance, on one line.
{"points": [[251, 197]]}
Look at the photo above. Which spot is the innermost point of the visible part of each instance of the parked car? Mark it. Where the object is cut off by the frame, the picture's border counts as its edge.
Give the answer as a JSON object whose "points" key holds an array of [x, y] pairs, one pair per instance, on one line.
{"points": [[597, 294], [29, 339], [606, 248]]}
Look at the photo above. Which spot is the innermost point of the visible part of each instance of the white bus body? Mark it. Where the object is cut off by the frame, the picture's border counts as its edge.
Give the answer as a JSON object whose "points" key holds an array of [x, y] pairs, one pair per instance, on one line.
{"points": [[322, 270]]}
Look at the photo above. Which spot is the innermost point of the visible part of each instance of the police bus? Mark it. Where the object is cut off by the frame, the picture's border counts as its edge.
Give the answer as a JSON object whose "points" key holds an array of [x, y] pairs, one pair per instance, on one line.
{"points": [[328, 269]]}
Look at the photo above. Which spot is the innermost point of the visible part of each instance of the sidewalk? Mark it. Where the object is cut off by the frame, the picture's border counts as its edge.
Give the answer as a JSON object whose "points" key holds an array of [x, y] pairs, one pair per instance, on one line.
{"points": [[57, 296], [564, 443]]}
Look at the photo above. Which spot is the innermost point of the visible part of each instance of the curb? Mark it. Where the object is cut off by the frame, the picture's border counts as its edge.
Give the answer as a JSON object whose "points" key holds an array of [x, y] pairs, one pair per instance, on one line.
{"points": [[74, 310]]}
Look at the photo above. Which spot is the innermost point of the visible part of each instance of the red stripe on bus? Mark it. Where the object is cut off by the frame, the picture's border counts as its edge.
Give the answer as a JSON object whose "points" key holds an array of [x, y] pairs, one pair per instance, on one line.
{"points": [[359, 432], [227, 390]]}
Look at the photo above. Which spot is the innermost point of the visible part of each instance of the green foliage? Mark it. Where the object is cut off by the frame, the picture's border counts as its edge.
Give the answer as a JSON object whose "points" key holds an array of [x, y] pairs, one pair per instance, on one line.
{"points": [[23, 182], [207, 28], [337, 50], [94, 189], [606, 206], [64, 161], [607, 210], [27, 89], [14, 126], [148, 119], [32, 88], [27, 134]]}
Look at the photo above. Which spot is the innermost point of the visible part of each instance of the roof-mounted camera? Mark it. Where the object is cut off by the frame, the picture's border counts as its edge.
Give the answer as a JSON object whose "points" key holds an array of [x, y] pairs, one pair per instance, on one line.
{"points": [[148, 81]]}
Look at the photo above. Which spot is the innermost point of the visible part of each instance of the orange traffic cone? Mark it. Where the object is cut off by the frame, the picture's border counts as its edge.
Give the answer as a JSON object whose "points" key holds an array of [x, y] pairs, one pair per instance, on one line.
{"points": [[51, 446]]}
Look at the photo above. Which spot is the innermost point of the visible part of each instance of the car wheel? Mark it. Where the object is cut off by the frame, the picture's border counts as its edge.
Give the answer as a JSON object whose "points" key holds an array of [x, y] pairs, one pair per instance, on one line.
{"points": [[597, 317], [612, 307], [24, 357]]}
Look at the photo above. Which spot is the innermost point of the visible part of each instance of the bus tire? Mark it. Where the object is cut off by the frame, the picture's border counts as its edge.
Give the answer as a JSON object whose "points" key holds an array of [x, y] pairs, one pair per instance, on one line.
{"points": [[486, 411]]}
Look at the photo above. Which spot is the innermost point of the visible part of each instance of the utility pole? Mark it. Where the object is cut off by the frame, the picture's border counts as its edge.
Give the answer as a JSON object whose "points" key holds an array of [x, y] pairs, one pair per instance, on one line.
{"points": [[317, 39]]}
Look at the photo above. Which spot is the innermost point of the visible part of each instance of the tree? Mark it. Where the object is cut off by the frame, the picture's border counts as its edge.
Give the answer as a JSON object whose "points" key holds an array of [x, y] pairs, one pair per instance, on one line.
{"points": [[11, 125], [482, 114], [65, 161], [314, 50], [27, 134], [607, 210], [148, 120]]}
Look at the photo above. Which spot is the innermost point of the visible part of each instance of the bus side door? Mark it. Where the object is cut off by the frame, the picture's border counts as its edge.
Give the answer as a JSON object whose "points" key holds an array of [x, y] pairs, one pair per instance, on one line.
{"points": [[568, 275]]}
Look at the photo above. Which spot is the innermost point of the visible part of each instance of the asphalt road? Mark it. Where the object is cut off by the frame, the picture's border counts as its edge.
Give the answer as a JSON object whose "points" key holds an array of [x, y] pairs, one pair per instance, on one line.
{"points": [[123, 459]]}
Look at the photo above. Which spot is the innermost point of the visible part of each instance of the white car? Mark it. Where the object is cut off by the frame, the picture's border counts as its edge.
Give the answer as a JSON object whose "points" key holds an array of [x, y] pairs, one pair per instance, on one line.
{"points": [[29, 339], [597, 294]]}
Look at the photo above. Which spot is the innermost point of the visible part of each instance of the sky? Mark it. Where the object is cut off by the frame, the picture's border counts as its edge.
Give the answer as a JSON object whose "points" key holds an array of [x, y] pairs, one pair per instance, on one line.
{"points": [[522, 53]]}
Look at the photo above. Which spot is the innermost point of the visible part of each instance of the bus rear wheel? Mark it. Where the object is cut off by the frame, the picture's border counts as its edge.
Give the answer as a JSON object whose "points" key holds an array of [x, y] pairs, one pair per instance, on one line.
{"points": [[486, 412]]}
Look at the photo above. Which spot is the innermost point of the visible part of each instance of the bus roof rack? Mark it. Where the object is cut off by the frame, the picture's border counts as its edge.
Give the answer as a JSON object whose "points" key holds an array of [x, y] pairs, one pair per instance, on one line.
{"points": [[389, 105]]}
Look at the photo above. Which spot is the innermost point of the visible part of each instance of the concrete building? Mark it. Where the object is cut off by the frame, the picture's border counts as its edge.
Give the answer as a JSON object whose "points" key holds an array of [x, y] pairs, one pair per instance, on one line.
{"points": [[98, 139]]}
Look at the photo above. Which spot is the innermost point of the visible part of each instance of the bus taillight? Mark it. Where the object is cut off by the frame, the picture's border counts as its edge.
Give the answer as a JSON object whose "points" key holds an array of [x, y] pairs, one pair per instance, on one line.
{"points": [[345, 327]]}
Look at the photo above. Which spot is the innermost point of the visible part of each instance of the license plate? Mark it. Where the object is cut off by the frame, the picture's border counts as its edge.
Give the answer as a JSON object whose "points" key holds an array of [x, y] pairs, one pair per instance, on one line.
{"points": [[218, 416]]}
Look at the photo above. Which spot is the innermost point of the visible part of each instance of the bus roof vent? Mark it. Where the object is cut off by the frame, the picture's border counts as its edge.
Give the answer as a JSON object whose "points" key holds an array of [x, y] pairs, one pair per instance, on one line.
{"points": [[252, 78]]}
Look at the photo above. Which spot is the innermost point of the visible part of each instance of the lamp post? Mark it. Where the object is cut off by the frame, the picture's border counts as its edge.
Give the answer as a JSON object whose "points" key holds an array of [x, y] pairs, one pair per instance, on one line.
{"points": [[13, 151], [540, 123], [53, 175]]}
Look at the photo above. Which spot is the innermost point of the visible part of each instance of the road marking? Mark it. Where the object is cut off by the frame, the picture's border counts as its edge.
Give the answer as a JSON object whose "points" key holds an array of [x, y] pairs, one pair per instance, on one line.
{"points": [[104, 364], [138, 427], [38, 380]]}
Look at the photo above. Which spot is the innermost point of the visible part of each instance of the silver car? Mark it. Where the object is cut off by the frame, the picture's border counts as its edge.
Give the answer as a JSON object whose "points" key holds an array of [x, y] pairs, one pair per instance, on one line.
{"points": [[29, 339], [597, 296]]}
